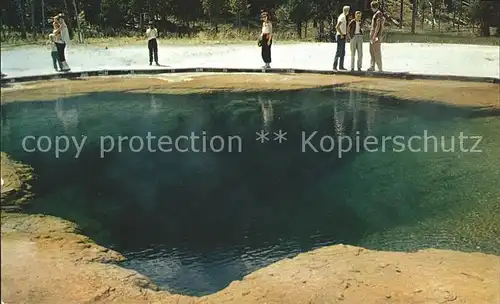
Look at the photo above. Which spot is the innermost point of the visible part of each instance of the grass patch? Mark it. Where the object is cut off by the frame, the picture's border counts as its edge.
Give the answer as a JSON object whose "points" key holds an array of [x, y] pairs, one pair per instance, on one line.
{"points": [[202, 38], [249, 36]]}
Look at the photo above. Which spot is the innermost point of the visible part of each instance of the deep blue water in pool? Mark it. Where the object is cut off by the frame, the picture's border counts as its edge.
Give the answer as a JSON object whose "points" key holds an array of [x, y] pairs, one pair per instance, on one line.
{"points": [[215, 208]]}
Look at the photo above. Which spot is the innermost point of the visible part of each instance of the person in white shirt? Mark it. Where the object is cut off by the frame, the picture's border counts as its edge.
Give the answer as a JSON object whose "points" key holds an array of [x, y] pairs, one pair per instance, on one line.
{"points": [[62, 39], [355, 36], [266, 39], [152, 36], [341, 28]]}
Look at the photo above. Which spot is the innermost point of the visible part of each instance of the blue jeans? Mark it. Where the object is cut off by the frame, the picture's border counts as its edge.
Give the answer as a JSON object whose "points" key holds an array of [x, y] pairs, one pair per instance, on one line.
{"points": [[340, 54], [56, 61]]}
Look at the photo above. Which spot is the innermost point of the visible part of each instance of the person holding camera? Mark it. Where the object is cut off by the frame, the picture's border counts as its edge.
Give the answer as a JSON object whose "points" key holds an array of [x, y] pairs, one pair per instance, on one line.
{"points": [[152, 36]]}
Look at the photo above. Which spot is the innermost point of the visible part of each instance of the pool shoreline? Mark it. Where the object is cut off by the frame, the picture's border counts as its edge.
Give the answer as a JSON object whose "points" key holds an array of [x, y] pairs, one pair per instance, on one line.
{"points": [[467, 94], [203, 70]]}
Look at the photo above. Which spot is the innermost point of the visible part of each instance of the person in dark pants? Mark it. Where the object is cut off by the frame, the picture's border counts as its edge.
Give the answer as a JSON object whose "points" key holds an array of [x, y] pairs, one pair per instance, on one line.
{"points": [[56, 61], [266, 39], [341, 28], [152, 35]]}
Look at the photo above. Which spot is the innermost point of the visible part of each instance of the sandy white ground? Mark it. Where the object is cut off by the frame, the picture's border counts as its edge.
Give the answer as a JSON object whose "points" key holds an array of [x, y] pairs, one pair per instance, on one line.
{"points": [[465, 60]]}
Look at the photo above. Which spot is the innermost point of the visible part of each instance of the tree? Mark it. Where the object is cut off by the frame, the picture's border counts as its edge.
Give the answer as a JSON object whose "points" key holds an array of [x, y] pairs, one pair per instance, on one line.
{"points": [[324, 11], [188, 10], [422, 8], [213, 10], [401, 6], [486, 13], [435, 9], [239, 8], [21, 14], [111, 17], [413, 16], [300, 11]]}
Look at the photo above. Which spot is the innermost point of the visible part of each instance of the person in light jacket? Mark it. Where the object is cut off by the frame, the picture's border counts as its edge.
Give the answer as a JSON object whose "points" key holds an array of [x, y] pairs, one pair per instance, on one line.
{"points": [[355, 35]]}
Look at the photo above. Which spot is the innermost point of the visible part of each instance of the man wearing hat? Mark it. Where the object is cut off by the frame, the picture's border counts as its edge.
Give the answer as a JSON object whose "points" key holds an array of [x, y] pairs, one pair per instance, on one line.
{"points": [[152, 36]]}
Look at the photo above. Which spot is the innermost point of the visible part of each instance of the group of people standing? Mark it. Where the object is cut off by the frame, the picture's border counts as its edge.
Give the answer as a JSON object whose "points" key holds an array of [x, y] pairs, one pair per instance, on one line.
{"points": [[353, 32], [265, 40], [346, 31], [59, 39]]}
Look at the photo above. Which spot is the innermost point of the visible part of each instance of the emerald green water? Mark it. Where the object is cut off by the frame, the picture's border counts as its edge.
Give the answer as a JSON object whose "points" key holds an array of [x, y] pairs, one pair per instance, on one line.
{"points": [[195, 221]]}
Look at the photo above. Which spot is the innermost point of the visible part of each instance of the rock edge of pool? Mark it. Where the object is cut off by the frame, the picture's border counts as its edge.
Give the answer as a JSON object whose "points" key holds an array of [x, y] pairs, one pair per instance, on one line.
{"points": [[471, 94], [46, 260]]}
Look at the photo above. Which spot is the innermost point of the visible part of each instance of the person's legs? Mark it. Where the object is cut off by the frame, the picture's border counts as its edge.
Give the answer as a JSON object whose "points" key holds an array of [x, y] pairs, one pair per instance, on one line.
{"points": [[266, 52], [342, 53], [337, 53], [269, 54], [263, 50], [55, 60], [352, 44], [150, 48], [379, 55], [60, 50], [59, 62], [155, 50], [372, 58], [359, 47]]}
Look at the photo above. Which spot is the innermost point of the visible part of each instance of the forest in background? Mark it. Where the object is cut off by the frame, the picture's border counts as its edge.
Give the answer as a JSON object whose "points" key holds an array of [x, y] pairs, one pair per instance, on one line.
{"points": [[294, 19]]}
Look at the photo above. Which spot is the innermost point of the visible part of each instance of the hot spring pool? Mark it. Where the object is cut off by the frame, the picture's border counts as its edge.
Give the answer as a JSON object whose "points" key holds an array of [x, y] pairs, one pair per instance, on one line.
{"points": [[195, 213]]}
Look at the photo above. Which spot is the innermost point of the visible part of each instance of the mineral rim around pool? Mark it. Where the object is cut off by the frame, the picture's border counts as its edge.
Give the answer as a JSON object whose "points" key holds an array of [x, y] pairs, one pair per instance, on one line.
{"points": [[193, 222]]}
